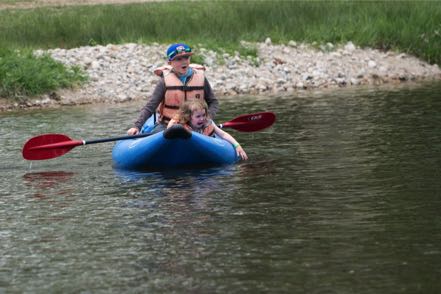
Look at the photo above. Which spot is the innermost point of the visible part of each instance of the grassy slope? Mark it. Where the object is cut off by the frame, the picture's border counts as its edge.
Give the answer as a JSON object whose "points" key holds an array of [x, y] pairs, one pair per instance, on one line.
{"points": [[409, 26]]}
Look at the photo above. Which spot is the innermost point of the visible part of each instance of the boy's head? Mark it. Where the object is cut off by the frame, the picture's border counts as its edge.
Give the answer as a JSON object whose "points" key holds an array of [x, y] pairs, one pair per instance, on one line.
{"points": [[176, 50], [179, 57]]}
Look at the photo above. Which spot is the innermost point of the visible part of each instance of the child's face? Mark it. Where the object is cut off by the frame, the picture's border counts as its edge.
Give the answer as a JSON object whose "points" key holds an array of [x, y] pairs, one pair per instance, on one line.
{"points": [[198, 118], [180, 64]]}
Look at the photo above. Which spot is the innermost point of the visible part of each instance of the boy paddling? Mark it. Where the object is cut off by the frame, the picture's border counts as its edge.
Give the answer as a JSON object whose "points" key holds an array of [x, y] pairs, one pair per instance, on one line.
{"points": [[180, 81]]}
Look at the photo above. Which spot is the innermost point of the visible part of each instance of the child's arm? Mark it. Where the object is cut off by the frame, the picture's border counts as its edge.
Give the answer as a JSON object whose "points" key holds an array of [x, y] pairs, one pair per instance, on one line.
{"points": [[224, 135]]}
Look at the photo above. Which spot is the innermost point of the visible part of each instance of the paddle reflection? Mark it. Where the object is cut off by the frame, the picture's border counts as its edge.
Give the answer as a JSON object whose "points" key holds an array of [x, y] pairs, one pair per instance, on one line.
{"points": [[46, 182]]}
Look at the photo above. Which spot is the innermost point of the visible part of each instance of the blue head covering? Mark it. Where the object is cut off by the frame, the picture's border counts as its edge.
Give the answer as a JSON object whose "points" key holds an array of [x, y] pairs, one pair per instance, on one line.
{"points": [[179, 49]]}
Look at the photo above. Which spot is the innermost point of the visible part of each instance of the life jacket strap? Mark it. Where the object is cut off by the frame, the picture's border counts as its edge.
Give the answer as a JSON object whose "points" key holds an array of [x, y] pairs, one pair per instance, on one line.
{"points": [[171, 106], [184, 88]]}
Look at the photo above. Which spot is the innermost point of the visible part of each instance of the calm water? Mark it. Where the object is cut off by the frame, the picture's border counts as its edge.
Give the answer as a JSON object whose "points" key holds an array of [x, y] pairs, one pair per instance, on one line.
{"points": [[341, 195]]}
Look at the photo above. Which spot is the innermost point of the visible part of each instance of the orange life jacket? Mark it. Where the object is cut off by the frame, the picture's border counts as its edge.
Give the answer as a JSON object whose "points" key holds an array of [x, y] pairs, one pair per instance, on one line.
{"points": [[207, 131], [176, 92]]}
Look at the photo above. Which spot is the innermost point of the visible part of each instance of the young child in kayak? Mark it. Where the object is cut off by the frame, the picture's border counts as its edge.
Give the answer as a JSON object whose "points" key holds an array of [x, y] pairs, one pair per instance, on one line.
{"points": [[179, 81], [194, 116]]}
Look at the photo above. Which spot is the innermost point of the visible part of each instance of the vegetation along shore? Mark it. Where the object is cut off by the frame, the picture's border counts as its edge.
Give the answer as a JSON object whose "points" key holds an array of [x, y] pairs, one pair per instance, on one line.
{"points": [[106, 53]]}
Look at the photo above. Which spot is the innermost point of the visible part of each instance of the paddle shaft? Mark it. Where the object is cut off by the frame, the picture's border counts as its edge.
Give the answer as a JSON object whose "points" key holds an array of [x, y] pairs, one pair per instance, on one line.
{"points": [[74, 143], [116, 139]]}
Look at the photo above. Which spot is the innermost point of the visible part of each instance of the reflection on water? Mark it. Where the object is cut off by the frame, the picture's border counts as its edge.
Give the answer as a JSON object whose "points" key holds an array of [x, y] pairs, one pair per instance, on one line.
{"points": [[341, 195], [47, 179], [40, 182]]}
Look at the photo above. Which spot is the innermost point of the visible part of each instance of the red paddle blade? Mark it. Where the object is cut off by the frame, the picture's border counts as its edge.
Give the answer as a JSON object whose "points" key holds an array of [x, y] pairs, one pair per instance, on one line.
{"points": [[251, 122], [48, 146]]}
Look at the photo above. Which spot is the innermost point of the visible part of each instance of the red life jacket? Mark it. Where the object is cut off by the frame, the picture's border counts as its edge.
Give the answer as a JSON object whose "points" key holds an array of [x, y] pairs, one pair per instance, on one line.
{"points": [[176, 92]]}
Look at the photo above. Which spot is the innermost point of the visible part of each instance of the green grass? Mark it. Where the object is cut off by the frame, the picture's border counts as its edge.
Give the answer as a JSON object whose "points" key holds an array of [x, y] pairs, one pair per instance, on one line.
{"points": [[13, 1], [408, 26], [22, 74]]}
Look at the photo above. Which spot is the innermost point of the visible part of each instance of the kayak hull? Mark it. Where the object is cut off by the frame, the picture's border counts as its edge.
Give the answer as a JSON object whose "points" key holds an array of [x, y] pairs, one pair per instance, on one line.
{"points": [[175, 147]]}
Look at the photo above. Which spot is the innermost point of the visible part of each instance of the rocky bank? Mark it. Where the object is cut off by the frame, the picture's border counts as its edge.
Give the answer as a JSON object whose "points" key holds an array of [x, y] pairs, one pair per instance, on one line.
{"points": [[120, 73]]}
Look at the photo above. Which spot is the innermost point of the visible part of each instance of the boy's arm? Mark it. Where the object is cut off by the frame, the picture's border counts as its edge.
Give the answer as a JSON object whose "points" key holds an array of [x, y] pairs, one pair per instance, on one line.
{"points": [[210, 98], [150, 107]]}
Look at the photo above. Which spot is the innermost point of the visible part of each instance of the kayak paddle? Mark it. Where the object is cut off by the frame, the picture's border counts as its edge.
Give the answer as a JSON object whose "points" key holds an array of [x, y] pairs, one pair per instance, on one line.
{"points": [[251, 122], [49, 146]]}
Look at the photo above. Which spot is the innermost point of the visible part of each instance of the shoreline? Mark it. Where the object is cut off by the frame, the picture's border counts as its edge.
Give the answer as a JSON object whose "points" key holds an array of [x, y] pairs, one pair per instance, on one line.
{"points": [[122, 73]]}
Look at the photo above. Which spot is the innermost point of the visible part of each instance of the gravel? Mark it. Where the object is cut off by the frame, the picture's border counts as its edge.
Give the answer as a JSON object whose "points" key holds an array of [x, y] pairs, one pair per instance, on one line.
{"points": [[120, 73]]}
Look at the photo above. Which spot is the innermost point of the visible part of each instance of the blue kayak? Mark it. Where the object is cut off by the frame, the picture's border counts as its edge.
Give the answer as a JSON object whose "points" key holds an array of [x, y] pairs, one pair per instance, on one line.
{"points": [[175, 147]]}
